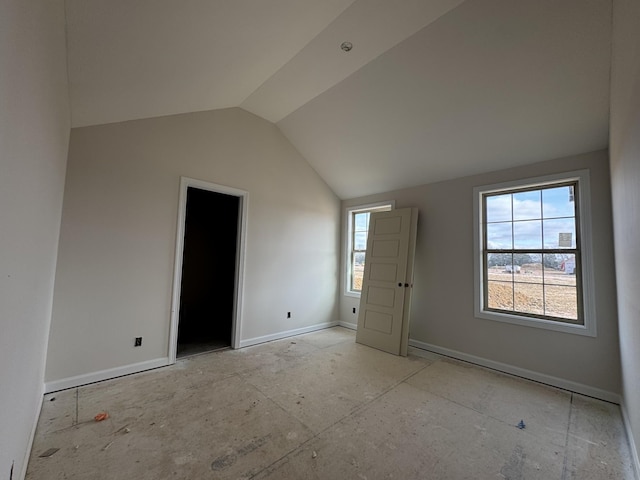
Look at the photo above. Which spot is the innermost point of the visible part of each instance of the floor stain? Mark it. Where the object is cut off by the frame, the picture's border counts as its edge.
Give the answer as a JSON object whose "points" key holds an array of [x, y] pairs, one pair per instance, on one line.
{"points": [[226, 461], [512, 470]]}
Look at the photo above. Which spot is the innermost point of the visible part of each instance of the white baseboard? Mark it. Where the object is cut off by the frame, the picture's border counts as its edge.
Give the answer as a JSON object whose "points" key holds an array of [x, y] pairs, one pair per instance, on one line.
{"points": [[86, 378], [635, 459], [352, 326], [417, 348], [287, 333]]}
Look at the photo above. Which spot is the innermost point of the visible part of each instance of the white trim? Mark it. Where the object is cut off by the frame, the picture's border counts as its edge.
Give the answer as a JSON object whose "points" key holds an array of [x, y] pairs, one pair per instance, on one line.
{"points": [[349, 293], [346, 288], [417, 348], [287, 333], [107, 374], [635, 459], [243, 197], [352, 326], [588, 286], [32, 436], [535, 322]]}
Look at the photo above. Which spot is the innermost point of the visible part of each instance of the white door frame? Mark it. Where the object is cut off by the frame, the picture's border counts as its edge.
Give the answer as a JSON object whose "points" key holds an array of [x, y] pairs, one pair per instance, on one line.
{"points": [[243, 197]]}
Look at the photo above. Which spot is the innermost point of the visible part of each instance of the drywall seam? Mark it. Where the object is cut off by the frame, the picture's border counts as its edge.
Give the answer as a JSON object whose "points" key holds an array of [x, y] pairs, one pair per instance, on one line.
{"points": [[100, 375], [32, 436], [418, 349], [635, 460], [286, 333]]}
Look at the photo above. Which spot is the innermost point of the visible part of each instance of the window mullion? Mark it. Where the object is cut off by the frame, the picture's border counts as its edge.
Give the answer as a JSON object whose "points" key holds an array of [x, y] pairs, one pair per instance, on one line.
{"points": [[513, 267]]}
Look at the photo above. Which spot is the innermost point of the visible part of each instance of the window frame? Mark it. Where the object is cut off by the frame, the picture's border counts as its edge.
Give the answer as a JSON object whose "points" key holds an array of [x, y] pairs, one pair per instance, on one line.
{"points": [[348, 257], [583, 245]]}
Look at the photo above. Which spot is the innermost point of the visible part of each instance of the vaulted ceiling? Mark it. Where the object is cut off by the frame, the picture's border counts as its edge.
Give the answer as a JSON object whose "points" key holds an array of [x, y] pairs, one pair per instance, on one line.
{"points": [[431, 90]]}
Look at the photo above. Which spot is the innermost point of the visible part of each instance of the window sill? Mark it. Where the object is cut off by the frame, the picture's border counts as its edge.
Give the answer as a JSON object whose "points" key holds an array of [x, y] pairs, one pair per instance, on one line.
{"points": [[537, 323], [352, 294]]}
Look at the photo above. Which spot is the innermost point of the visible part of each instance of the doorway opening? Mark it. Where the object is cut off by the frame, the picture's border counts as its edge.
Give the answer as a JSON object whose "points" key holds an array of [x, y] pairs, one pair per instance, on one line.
{"points": [[207, 284]]}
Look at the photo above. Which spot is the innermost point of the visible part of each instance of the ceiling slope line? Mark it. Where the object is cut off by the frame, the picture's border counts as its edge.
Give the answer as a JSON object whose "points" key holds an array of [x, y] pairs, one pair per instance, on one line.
{"points": [[373, 27]]}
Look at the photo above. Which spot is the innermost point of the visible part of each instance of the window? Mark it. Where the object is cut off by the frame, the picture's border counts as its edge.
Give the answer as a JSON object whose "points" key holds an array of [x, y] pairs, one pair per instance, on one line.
{"points": [[533, 264], [357, 228]]}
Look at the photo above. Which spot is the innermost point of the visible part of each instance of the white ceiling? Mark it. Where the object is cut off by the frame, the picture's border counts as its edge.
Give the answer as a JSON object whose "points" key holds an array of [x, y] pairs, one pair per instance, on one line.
{"points": [[144, 58], [433, 89]]}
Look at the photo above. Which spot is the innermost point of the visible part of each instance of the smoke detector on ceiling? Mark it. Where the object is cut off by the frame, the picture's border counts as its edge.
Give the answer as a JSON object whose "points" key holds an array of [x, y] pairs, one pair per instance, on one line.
{"points": [[346, 46]]}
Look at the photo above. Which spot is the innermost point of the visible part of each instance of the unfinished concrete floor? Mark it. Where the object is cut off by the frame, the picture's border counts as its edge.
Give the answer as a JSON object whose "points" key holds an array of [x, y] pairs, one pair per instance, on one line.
{"points": [[319, 406]]}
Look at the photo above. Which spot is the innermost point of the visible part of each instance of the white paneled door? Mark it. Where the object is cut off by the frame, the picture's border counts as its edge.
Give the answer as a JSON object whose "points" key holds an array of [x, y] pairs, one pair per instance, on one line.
{"points": [[385, 301]]}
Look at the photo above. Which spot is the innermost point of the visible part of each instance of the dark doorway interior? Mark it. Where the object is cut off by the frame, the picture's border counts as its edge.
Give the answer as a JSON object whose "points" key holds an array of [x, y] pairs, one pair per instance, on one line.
{"points": [[207, 291]]}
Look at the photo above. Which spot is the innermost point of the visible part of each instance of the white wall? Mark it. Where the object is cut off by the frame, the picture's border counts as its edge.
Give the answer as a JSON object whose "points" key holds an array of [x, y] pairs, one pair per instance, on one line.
{"points": [[625, 182], [34, 134], [117, 243], [442, 311]]}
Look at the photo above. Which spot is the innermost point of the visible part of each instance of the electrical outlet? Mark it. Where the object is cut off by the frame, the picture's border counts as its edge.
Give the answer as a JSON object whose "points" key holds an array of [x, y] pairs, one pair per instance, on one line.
{"points": [[288, 314], [354, 309], [138, 342]]}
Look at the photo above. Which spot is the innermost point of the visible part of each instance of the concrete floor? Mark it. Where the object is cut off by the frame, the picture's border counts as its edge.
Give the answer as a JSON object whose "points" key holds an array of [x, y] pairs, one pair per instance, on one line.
{"points": [[319, 406]]}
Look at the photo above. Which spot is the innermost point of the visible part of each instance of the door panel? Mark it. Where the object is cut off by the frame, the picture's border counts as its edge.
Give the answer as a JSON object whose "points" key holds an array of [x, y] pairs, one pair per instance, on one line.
{"points": [[387, 225], [383, 297], [380, 322], [383, 273], [388, 274], [385, 248]]}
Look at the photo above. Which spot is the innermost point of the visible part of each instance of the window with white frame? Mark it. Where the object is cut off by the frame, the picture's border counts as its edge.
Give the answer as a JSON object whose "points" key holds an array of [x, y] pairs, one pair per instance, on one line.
{"points": [[533, 256], [357, 229]]}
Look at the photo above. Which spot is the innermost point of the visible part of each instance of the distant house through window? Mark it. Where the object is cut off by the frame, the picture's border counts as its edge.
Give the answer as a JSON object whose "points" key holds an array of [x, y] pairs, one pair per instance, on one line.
{"points": [[533, 267], [357, 229]]}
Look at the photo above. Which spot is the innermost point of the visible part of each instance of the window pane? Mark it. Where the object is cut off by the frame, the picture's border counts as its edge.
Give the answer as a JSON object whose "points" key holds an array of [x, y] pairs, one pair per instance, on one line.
{"points": [[560, 233], [561, 302], [499, 235], [551, 262], [558, 202], [568, 266], [526, 205], [498, 208], [360, 241], [531, 268], [500, 295], [527, 234], [361, 222], [357, 270], [529, 298], [499, 266], [560, 269]]}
